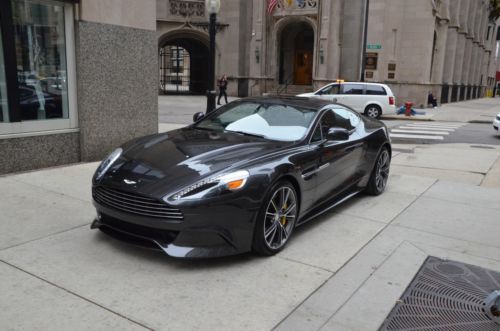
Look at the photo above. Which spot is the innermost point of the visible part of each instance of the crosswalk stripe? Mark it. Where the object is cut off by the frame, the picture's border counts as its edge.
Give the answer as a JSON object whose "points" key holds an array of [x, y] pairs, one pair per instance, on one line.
{"points": [[421, 131], [425, 128], [414, 136], [436, 125]]}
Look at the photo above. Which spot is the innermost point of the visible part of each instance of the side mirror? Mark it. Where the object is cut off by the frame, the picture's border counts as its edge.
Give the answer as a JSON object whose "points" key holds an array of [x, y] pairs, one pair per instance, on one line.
{"points": [[198, 116], [338, 134]]}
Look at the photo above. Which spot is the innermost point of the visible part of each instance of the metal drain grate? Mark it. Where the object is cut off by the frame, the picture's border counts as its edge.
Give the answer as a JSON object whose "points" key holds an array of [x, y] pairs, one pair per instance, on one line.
{"points": [[445, 295]]}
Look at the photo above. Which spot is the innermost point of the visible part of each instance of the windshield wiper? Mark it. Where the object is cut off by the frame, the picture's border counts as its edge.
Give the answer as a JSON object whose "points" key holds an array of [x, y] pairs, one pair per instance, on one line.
{"points": [[248, 134]]}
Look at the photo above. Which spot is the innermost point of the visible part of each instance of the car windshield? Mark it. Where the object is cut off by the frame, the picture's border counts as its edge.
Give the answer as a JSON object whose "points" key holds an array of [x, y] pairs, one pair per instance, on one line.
{"points": [[267, 120]]}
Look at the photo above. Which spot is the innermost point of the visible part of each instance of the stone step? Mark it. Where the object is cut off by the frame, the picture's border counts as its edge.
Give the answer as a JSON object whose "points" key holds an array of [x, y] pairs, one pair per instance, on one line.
{"points": [[294, 89]]}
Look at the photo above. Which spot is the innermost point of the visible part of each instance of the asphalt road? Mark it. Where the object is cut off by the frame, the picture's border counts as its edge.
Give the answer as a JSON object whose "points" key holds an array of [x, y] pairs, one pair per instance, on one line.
{"points": [[410, 132]]}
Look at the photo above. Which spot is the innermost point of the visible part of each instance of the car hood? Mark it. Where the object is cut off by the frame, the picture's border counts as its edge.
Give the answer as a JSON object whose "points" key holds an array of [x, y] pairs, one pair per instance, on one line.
{"points": [[164, 163]]}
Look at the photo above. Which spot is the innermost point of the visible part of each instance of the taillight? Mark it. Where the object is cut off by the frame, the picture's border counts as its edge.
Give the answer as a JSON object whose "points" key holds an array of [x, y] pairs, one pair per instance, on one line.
{"points": [[391, 101]]}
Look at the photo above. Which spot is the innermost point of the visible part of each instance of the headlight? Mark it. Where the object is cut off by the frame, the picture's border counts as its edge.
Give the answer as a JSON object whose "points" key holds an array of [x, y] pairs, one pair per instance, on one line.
{"points": [[225, 182], [108, 162]]}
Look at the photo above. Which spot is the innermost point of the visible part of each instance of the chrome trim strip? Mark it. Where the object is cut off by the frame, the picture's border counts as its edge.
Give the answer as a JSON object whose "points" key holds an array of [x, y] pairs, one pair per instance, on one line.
{"points": [[315, 171]]}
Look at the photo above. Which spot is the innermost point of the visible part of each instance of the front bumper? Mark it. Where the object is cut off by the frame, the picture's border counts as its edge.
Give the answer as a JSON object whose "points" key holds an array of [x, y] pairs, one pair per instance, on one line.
{"points": [[496, 124], [209, 229]]}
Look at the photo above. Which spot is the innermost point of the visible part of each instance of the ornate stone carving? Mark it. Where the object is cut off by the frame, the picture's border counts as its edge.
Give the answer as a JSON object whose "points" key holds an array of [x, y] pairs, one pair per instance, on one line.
{"points": [[297, 4], [187, 8]]}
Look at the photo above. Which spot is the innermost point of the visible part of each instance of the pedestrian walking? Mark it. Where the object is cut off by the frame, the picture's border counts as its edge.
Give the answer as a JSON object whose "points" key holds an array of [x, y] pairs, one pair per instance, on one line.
{"points": [[222, 83]]}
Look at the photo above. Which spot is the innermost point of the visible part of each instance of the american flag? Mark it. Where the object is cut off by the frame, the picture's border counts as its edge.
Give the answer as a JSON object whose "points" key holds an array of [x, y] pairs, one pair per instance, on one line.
{"points": [[271, 4]]}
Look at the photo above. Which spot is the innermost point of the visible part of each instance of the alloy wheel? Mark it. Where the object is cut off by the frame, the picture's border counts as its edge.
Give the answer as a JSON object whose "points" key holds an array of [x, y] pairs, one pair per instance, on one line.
{"points": [[280, 217], [373, 112], [382, 172]]}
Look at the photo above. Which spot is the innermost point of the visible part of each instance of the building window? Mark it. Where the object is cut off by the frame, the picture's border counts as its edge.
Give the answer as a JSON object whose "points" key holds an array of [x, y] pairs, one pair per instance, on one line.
{"points": [[4, 109], [42, 45], [41, 59]]}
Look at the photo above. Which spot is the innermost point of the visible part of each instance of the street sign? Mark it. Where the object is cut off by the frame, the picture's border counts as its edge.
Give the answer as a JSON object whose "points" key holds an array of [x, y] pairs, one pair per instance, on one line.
{"points": [[373, 46]]}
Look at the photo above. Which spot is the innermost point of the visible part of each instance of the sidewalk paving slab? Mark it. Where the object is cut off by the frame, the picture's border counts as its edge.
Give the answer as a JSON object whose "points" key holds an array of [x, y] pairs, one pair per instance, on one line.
{"points": [[74, 180], [374, 300], [445, 158], [330, 241], [331, 305], [441, 174], [29, 303], [240, 293], [30, 212]]}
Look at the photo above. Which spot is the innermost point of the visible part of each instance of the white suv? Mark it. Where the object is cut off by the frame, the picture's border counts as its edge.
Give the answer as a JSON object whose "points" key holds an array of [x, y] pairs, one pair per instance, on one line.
{"points": [[496, 123], [367, 98]]}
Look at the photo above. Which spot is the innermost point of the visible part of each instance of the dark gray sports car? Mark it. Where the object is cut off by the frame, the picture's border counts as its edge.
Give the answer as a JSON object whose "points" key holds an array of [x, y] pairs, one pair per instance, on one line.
{"points": [[241, 178]]}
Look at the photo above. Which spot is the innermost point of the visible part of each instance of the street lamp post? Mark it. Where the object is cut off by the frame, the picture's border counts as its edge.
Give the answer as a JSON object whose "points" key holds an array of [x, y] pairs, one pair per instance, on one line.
{"points": [[212, 7]]}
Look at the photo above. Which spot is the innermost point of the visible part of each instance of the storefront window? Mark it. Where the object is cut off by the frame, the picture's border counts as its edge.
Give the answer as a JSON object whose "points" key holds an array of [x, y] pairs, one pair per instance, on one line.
{"points": [[4, 111], [39, 33]]}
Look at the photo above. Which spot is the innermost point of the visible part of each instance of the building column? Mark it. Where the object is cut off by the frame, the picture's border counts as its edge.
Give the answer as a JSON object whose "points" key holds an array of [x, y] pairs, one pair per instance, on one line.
{"points": [[468, 58], [451, 51], [440, 53], [459, 58]]}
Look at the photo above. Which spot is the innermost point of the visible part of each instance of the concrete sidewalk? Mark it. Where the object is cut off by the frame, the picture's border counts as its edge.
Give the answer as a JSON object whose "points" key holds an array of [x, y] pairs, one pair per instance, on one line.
{"points": [[344, 271], [474, 111], [180, 110]]}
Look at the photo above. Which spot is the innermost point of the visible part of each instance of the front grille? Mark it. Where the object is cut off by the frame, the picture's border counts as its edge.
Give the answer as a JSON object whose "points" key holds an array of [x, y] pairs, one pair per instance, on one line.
{"points": [[135, 204], [137, 231]]}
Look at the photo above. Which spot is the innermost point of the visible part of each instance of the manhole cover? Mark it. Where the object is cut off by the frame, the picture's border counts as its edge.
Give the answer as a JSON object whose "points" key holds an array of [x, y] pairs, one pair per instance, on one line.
{"points": [[445, 295]]}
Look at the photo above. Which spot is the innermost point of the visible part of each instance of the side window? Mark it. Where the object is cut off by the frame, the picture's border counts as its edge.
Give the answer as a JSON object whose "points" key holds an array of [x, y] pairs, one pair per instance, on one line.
{"points": [[329, 89], [317, 134], [327, 122], [375, 90], [355, 89], [345, 118]]}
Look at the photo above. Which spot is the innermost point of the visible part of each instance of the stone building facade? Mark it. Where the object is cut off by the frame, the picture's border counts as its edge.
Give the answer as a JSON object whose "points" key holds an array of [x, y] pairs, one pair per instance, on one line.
{"points": [[415, 46], [446, 47], [66, 72], [301, 44]]}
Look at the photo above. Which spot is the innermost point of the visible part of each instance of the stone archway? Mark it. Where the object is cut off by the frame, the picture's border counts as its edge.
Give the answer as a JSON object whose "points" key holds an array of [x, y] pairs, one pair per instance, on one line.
{"points": [[296, 52], [183, 55]]}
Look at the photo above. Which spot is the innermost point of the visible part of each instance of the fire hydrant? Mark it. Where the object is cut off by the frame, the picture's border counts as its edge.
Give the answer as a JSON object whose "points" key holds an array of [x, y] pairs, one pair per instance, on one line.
{"points": [[408, 106]]}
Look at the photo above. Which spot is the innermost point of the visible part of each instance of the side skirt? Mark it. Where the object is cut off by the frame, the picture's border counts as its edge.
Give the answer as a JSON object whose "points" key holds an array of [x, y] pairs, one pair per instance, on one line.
{"points": [[328, 206]]}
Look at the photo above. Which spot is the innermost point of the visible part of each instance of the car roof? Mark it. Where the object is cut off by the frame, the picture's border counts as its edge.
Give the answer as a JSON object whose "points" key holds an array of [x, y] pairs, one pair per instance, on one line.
{"points": [[301, 102], [363, 83]]}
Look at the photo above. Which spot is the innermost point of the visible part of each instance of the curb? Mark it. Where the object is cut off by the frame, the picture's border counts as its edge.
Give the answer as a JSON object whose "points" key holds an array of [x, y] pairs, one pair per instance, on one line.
{"points": [[480, 122], [406, 118]]}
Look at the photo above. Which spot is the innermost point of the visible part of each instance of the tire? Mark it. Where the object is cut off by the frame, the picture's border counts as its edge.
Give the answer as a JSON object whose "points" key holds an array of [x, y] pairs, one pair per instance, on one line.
{"points": [[380, 174], [276, 220], [373, 111]]}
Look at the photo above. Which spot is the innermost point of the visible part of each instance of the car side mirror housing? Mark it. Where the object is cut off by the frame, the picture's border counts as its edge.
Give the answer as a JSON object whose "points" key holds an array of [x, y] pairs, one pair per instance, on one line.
{"points": [[338, 134], [198, 116]]}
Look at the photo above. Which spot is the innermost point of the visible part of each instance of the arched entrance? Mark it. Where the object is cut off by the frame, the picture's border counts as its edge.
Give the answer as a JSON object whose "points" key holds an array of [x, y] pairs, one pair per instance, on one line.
{"points": [[296, 55], [182, 64]]}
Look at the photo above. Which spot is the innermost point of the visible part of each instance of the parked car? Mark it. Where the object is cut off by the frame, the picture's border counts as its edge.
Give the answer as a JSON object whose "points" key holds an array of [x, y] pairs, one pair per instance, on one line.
{"points": [[30, 101], [241, 178], [496, 123], [370, 99]]}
